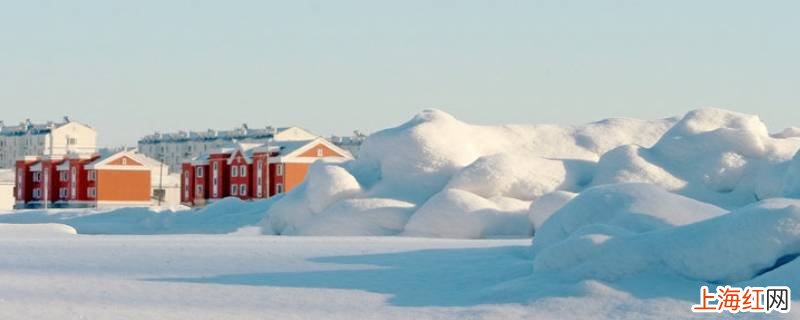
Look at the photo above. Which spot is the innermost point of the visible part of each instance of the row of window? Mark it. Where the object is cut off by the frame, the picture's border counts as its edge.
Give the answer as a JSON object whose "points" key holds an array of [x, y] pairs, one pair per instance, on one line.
{"points": [[240, 171], [236, 190], [63, 176], [63, 193]]}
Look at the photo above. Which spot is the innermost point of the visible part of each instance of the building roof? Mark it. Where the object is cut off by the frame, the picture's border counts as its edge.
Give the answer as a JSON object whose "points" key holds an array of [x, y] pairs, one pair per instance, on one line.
{"points": [[28, 127], [103, 160], [236, 134]]}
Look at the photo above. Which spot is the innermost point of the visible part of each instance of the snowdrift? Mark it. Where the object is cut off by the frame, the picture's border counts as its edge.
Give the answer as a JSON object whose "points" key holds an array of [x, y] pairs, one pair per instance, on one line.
{"points": [[454, 179], [712, 155], [470, 181], [35, 230], [224, 216], [725, 249]]}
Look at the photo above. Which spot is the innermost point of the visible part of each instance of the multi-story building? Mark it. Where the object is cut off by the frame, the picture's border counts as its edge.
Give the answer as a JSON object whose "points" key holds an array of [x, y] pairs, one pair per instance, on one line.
{"points": [[51, 138], [252, 171], [79, 180], [174, 149], [352, 143]]}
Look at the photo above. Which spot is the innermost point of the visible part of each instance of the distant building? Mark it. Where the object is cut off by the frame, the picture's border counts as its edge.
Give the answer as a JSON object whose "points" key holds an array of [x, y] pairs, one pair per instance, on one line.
{"points": [[51, 138], [252, 171], [6, 189], [80, 180], [176, 148], [352, 143]]}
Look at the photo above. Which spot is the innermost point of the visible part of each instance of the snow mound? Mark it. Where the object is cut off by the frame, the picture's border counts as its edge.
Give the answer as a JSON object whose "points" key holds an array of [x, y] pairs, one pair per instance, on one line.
{"points": [[633, 207], [435, 160], [35, 230], [513, 176], [546, 205], [791, 132], [728, 248], [711, 155], [457, 213], [361, 217]]}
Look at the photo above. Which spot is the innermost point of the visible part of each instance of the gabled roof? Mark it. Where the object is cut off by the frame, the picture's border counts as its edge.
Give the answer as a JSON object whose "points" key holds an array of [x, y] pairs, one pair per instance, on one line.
{"points": [[106, 161], [292, 150]]}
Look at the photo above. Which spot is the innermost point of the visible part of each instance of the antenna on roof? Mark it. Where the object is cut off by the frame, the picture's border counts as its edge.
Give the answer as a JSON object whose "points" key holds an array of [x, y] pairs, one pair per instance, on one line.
{"points": [[66, 119]]}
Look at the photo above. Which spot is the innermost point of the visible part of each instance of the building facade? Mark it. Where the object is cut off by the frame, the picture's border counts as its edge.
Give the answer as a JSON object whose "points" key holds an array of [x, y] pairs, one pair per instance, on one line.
{"points": [[252, 171], [56, 139], [350, 143], [79, 180], [174, 149]]}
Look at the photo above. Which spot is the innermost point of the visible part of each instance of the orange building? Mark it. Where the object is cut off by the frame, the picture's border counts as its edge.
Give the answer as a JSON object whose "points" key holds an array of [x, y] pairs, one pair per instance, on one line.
{"points": [[119, 179], [253, 171]]}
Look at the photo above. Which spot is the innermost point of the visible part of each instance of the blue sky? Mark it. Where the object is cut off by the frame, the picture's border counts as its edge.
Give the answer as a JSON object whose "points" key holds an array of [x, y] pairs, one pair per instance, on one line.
{"points": [[131, 67]]}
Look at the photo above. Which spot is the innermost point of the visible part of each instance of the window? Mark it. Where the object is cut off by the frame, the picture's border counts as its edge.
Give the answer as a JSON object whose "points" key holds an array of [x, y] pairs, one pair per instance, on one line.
{"points": [[199, 172], [91, 175], [37, 176], [199, 191], [72, 141], [279, 188], [20, 175], [62, 193], [243, 189], [234, 171], [279, 170], [243, 170], [63, 176], [92, 192], [319, 152], [234, 190], [216, 166], [37, 193]]}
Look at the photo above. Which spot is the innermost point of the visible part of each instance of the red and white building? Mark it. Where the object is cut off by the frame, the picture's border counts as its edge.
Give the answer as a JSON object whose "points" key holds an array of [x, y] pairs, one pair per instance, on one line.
{"points": [[80, 180], [253, 171]]}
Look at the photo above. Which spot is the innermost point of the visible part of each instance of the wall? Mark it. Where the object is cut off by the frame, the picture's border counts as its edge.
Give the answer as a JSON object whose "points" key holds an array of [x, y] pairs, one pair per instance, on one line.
{"points": [[120, 185]]}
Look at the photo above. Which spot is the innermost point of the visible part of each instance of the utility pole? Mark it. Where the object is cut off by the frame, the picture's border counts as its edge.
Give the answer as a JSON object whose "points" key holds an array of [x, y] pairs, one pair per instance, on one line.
{"points": [[46, 171], [161, 191], [266, 174]]}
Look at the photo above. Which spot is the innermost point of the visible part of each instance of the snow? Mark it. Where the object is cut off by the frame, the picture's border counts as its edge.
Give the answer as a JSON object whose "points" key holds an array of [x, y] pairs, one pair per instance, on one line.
{"points": [[441, 165], [456, 213], [266, 277], [711, 155], [546, 205], [633, 207], [728, 248], [35, 230], [223, 216], [628, 217]]}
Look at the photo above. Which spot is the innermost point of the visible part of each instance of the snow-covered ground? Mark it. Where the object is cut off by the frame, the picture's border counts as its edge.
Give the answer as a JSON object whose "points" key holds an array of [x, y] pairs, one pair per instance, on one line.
{"points": [[629, 218], [58, 275]]}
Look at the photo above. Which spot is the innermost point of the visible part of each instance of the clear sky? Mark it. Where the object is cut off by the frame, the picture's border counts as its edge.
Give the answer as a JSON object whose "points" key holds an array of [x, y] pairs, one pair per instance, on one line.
{"points": [[132, 67]]}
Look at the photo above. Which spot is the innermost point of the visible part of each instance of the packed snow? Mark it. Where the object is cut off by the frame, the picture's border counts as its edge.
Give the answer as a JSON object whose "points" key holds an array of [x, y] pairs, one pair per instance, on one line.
{"points": [[266, 277]]}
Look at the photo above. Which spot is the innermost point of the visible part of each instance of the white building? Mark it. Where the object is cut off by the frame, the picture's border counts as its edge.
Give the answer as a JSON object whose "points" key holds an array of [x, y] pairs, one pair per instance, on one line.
{"points": [[178, 147], [6, 189], [352, 143], [61, 138]]}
